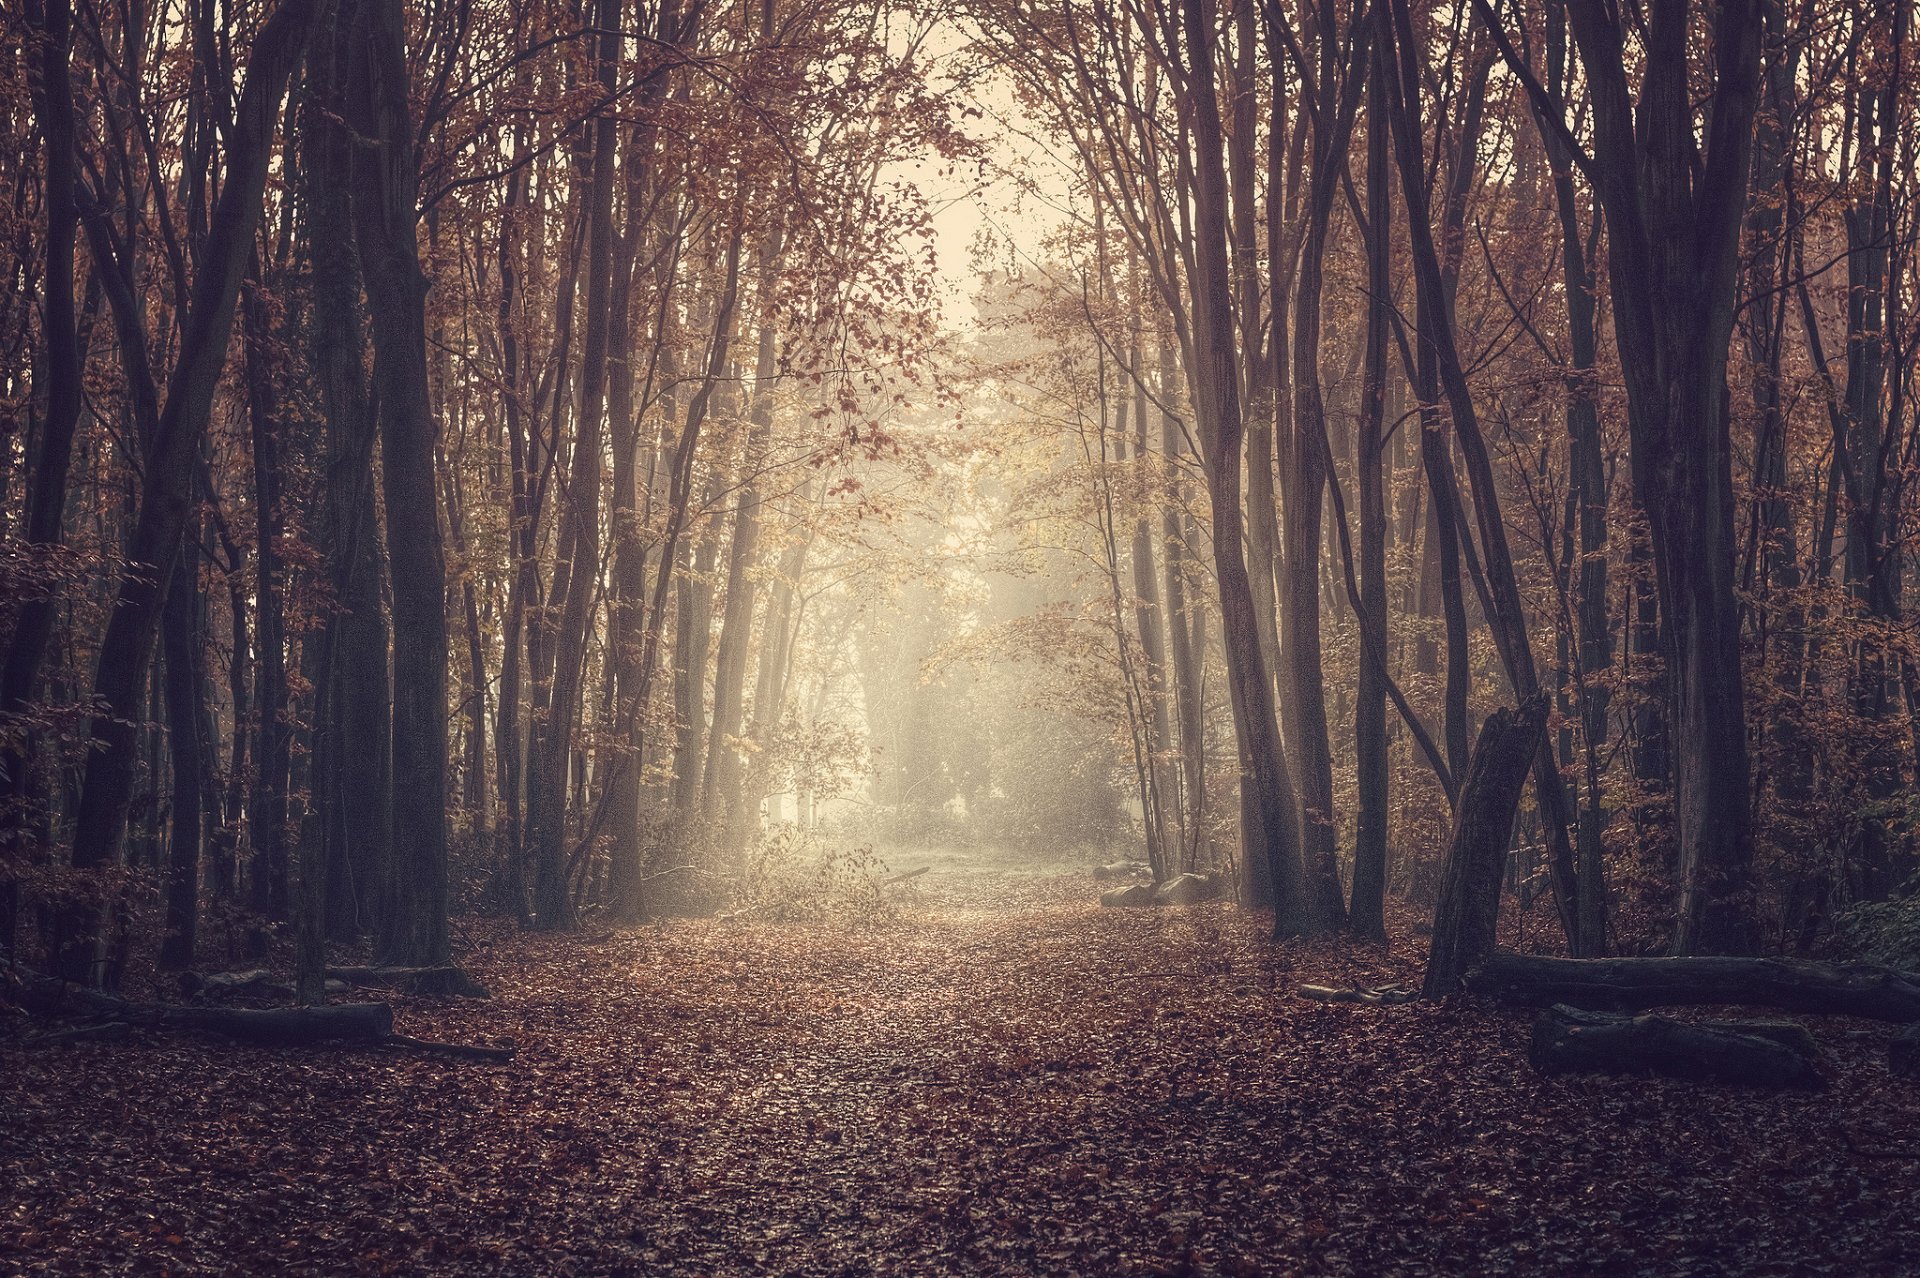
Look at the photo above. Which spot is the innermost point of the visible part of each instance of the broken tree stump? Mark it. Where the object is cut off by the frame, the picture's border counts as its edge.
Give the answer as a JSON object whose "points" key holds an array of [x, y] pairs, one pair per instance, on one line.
{"points": [[1903, 1052], [1750, 1053], [1634, 984], [1469, 907]]}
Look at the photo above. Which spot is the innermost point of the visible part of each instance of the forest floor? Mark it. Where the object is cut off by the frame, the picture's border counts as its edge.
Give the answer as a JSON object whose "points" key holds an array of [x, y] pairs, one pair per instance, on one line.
{"points": [[1004, 1080]]}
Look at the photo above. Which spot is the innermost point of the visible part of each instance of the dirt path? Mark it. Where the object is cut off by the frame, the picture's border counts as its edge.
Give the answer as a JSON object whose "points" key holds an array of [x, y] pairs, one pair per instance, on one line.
{"points": [[1007, 1080]]}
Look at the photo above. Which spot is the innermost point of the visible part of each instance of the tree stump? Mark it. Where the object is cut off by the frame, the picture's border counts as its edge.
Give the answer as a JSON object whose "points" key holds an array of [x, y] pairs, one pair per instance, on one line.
{"points": [[1903, 1052], [1469, 905]]}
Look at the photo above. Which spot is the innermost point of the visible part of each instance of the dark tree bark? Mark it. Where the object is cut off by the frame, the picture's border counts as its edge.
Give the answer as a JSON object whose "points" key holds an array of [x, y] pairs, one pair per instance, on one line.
{"points": [[52, 96], [354, 783], [166, 499], [1674, 212], [1331, 126], [187, 753], [385, 185], [1367, 910], [1751, 1053], [1587, 507], [1469, 907], [267, 804], [1631, 984]]}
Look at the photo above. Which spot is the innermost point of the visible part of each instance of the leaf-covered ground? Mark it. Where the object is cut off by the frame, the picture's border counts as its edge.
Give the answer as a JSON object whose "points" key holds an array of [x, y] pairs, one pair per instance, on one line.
{"points": [[1006, 1080]]}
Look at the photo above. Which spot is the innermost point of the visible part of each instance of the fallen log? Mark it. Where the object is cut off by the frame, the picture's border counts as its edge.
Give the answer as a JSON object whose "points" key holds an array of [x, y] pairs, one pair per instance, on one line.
{"points": [[286, 1026], [1751, 1053], [216, 985], [1134, 896], [445, 981], [102, 1030], [459, 1051], [1187, 889], [902, 878], [1634, 984], [333, 1025]]}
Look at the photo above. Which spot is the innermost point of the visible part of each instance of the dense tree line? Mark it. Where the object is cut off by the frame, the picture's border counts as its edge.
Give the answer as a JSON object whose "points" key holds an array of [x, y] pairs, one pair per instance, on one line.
{"points": [[416, 420], [1646, 279], [446, 446]]}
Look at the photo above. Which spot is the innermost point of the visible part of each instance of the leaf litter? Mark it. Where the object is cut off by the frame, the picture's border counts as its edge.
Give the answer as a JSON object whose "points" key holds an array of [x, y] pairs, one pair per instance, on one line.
{"points": [[1004, 1079]]}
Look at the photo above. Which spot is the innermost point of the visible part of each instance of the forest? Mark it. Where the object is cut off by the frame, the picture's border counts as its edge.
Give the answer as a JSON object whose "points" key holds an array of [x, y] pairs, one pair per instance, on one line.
{"points": [[1165, 637]]}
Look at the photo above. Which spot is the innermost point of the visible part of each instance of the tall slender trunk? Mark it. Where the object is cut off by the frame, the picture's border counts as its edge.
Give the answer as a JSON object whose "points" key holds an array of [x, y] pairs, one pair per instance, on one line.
{"points": [[353, 785], [1367, 911], [1150, 621], [187, 754], [47, 494], [1217, 403], [547, 825], [166, 497], [1306, 489], [1587, 507], [720, 791], [1187, 657], [267, 805], [385, 183]]}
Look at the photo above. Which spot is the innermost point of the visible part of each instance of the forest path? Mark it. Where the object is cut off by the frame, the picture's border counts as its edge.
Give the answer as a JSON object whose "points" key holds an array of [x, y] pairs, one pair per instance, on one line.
{"points": [[1004, 1080]]}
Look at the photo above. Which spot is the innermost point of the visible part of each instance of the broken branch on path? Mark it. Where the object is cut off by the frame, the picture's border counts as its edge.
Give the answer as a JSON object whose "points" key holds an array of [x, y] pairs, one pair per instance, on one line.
{"points": [[1384, 995]]}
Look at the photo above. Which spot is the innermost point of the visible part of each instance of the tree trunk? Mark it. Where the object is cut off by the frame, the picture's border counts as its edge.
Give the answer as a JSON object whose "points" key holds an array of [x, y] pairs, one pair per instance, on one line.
{"points": [[1150, 621], [720, 789], [1217, 407], [1469, 907], [385, 182], [181, 639], [267, 804], [47, 500], [1367, 911], [166, 497], [1187, 662], [1674, 213], [353, 784]]}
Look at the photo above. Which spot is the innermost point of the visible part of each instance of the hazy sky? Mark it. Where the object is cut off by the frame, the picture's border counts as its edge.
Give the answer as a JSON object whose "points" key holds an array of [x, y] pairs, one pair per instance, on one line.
{"points": [[969, 200]]}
